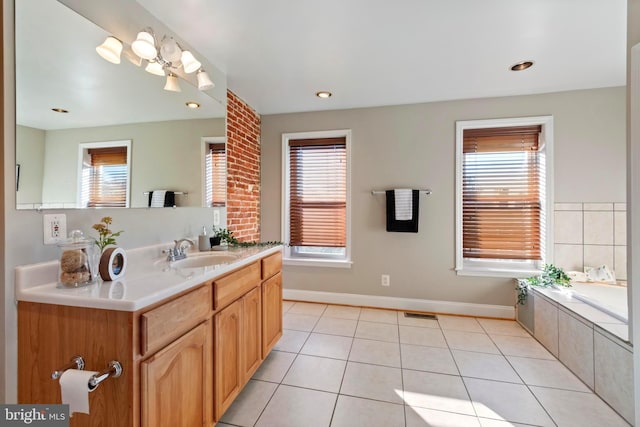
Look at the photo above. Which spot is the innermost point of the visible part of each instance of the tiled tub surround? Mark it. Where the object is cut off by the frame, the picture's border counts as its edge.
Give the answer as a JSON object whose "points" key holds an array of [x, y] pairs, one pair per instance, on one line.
{"points": [[592, 344], [591, 235], [350, 366]]}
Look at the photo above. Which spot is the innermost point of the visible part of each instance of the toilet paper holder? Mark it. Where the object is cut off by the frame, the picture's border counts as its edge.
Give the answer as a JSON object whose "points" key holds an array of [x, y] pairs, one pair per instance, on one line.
{"points": [[114, 370], [76, 362]]}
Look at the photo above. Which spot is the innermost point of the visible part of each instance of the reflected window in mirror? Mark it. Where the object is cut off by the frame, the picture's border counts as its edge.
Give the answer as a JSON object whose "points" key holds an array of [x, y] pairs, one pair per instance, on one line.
{"points": [[105, 172], [215, 171]]}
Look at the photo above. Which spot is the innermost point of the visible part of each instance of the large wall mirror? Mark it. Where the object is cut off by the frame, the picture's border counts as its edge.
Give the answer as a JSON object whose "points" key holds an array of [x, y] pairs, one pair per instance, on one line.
{"points": [[57, 67]]}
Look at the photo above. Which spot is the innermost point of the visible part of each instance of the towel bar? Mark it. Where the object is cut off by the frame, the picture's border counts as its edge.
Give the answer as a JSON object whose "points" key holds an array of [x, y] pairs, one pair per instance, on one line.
{"points": [[374, 192]]}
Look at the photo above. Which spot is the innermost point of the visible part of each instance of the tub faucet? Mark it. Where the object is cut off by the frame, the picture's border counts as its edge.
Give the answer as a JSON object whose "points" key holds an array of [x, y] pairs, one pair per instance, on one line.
{"points": [[178, 250]]}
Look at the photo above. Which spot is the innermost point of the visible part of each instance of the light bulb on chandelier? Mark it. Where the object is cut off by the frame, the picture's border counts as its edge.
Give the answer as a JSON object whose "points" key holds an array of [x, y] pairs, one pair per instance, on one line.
{"points": [[163, 58]]}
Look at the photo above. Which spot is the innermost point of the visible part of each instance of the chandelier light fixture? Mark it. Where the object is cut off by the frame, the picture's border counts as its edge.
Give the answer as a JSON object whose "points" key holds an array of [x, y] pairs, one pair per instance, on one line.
{"points": [[163, 58]]}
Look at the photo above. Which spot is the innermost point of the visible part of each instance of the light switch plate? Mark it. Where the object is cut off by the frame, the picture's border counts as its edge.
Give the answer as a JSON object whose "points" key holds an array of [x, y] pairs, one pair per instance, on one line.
{"points": [[54, 228]]}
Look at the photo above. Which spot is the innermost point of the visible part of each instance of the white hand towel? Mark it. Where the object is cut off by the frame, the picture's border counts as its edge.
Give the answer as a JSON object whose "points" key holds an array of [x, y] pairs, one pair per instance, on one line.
{"points": [[157, 198], [404, 204]]}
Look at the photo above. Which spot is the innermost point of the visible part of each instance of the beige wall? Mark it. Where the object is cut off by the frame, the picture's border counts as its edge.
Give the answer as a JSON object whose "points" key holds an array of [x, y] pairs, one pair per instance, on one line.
{"points": [[164, 155], [413, 145], [31, 160]]}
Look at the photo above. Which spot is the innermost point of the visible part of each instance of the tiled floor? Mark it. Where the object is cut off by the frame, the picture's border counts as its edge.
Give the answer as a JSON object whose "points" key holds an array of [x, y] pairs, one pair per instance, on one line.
{"points": [[350, 367]]}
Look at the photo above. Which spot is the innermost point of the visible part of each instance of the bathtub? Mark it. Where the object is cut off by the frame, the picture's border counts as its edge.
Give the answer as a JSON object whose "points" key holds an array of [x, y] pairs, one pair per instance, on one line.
{"points": [[610, 299]]}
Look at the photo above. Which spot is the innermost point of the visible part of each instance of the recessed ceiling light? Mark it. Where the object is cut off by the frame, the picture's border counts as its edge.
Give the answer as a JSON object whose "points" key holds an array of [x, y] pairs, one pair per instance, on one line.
{"points": [[323, 94], [523, 65], [192, 104], [59, 110]]}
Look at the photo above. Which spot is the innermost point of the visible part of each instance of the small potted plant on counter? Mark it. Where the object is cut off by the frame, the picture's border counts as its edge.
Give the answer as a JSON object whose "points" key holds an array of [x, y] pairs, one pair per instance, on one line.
{"points": [[222, 235]]}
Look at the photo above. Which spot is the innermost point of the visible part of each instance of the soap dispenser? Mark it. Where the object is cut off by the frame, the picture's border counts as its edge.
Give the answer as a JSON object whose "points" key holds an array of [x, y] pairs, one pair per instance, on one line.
{"points": [[203, 240]]}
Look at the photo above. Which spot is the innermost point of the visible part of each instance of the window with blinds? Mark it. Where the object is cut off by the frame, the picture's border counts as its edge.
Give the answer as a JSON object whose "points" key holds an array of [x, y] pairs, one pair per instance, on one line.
{"points": [[503, 190], [216, 174], [317, 193], [105, 177]]}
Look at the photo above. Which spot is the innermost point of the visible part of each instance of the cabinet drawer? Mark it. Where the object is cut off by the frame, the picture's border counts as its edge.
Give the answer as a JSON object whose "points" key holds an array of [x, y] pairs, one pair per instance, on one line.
{"points": [[271, 265], [165, 323], [232, 286]]}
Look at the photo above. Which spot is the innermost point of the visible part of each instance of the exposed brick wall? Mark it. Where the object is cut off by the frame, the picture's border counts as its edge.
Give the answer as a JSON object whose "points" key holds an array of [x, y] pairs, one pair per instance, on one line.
{"points": [[243, 169]]}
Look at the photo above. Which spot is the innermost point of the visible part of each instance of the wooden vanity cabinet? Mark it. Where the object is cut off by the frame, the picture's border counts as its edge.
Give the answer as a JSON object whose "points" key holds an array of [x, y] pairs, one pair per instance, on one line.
{"points": [[184, 359]]}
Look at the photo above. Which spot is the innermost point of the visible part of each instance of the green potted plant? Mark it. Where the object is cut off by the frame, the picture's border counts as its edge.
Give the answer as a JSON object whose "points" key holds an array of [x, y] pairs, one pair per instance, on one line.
{"points": [[550, 276], [222, 235]]}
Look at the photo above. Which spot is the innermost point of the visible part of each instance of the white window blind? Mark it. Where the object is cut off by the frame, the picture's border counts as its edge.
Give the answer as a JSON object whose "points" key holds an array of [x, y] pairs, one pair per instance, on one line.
{"points": [[502, 193], [318, 192], [216, 175]]}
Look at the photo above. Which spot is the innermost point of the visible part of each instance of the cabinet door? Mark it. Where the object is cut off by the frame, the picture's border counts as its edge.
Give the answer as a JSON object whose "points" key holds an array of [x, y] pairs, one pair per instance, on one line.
{"points": [[176, 382], [271, 313], [251, 333], [227, 349]]}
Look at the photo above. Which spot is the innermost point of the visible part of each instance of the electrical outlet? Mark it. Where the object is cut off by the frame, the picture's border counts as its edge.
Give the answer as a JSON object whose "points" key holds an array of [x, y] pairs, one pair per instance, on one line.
{"points": [[216, 217], [385, 280], [54, 228]]}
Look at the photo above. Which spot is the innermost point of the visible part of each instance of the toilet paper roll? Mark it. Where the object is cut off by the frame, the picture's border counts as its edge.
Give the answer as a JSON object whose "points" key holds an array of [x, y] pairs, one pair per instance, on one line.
{"points": [[74, 385], [113, 264]]}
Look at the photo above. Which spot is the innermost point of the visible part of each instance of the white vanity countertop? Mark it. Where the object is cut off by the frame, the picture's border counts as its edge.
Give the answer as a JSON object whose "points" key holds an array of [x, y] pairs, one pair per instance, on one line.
{"points": [[148, 279]]}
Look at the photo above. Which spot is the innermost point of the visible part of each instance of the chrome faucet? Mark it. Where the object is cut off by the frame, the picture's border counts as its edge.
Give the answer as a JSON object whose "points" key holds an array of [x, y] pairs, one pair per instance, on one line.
{"points": [[178, 250]]}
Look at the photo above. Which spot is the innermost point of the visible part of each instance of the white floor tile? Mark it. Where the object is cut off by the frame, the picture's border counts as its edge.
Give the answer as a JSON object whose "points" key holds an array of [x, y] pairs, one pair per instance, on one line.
{"points": [[380, 316], [436, 391], [373, 382], [459, 323], [318, 373], [342, 312], [521, 346], [291, 341], [506, 401], [322, 345], [429, 359], [503, 327], [422, 417], [249, 404], [470, 341], [274, 367], [309, 308], [416, 321], [575, 409], [299, 322], [295, 407], [377, 331], [357, 412], [335, 326], [422, 336], [486, 366], [375, 352], [546, 373], [486, 422], [286, 305]]}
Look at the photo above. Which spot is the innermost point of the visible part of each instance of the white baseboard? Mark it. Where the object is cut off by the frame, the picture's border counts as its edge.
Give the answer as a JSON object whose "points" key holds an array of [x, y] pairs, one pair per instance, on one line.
{"points": [[443, 307]]}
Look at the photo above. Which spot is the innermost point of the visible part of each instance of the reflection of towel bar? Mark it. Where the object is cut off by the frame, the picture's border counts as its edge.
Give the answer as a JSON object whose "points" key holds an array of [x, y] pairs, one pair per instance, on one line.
{"points": [[146, 193], [76, 362], [374, 192]]}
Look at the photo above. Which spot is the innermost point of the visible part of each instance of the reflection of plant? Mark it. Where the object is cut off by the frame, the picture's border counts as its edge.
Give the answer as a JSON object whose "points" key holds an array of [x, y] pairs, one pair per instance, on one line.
{"points": [[107, 237], [551, 275]]}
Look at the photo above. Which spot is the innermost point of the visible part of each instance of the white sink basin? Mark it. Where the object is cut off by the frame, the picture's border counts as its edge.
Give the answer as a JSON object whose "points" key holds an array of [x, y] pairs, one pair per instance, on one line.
{"points": [[204, 260]]}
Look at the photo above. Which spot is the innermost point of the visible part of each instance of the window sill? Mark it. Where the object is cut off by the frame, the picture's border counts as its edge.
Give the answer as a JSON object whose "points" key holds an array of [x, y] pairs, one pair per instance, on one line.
{"points": [[315, 262], [496, 272]]}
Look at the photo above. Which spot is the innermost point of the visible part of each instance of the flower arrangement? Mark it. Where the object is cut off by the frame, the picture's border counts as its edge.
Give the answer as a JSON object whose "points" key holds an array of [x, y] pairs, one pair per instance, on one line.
{"points": [[107, 237]]}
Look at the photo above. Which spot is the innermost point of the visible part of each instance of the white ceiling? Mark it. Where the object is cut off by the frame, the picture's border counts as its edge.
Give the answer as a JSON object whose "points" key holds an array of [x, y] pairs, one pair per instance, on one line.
{"points": [[278, 53], [57, 66]]}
